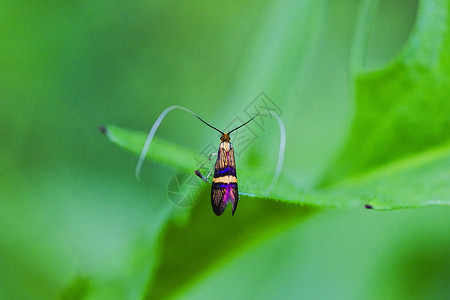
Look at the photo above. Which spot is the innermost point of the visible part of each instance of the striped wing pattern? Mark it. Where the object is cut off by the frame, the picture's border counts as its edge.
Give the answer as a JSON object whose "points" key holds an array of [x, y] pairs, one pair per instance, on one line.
{"points": [[224, 188]]}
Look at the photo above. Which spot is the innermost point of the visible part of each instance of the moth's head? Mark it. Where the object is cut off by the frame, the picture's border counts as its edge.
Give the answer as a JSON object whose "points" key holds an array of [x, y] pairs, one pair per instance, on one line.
{"points": [[225, 137]]}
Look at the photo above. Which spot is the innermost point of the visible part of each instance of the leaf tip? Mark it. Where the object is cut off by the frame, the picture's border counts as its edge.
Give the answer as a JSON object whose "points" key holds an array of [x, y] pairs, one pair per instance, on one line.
{"points": [[103, 129]]}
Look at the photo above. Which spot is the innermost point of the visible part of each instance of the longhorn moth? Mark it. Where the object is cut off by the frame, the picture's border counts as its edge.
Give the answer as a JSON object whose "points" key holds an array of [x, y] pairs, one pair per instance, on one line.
{"points": [[224, 188]]}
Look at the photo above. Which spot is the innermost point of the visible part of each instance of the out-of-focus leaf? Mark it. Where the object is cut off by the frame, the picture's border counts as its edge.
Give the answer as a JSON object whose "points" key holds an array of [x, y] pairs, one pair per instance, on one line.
{"points": [[203, 244], [78, 289], [403, 108]]}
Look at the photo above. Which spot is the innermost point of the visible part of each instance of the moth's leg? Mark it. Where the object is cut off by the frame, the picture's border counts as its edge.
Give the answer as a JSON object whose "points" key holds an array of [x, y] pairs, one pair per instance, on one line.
{"points": [[199, 174], [209, 158], [210, 173]]}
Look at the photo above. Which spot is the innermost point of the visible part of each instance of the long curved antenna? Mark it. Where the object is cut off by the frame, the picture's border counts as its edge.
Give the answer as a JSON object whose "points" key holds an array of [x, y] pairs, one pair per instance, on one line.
{"points": [[151, 134], [209, 124], [281, 151], [242, 124]]}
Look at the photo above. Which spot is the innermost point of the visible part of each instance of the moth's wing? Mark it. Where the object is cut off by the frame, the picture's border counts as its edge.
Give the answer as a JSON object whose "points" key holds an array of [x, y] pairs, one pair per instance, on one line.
{"points": [[225, 163], [218, 191], [235, 193], [223, 192]]}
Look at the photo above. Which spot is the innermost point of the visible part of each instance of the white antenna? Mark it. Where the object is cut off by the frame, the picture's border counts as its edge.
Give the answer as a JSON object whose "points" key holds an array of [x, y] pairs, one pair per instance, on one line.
{"points": [[151, 134], [276, 175]]}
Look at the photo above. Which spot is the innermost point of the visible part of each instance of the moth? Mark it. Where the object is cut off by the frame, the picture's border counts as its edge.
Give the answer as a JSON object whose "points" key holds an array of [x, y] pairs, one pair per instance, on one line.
{"points": [[224, 188]]}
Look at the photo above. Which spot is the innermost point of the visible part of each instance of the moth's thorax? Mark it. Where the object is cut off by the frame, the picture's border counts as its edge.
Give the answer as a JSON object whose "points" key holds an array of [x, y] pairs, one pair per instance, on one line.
{"points": [[226, 146], [225, 137]]}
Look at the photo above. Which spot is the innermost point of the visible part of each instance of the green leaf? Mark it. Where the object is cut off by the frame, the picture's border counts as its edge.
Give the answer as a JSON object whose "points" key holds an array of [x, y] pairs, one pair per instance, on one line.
{"points": [[417, 181], [385, 187], [403, 108]]}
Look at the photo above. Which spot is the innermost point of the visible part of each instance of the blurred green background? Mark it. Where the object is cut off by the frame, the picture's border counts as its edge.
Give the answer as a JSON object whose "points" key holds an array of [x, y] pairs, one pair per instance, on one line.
{"points": [[73, 218]]}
